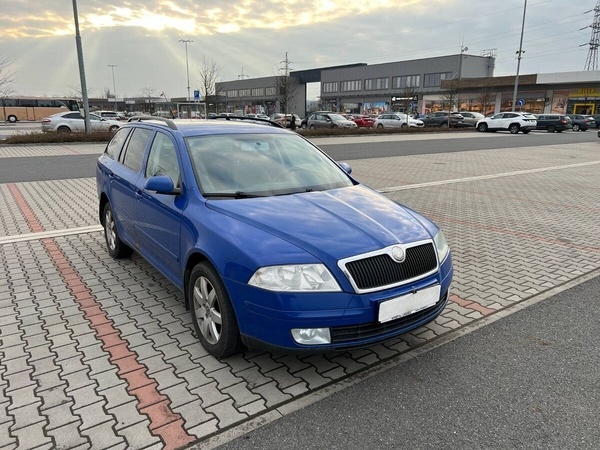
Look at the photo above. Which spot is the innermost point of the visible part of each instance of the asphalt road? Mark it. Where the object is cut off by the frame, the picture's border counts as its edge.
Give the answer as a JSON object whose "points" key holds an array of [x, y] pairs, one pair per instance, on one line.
{"points": [[14, 170], [527, 381]]}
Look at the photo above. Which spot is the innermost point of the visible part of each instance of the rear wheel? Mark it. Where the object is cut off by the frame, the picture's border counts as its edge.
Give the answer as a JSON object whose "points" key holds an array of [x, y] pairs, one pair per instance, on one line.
{"points": [[113, 129], [576, 127], [312, 127], [116, 248], [444, 124], [12, 119], [63, 129], [482, 127], [551, 128], [526, 131], [212, 313], [403, 125], [513, 128]]}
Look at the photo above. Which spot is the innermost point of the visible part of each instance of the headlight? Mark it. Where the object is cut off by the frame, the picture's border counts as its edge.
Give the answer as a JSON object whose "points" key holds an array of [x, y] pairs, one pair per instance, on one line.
{"points": [[295, 278], [441, 245]]}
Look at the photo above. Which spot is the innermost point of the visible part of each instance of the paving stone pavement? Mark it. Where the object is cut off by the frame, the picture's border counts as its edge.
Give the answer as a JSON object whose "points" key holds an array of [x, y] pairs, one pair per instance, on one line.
{"points": [[97, 353]]}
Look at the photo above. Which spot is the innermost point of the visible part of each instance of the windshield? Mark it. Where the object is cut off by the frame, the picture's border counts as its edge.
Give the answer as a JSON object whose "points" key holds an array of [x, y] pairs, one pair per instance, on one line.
{"points": [[246, 165], [336, 117]]}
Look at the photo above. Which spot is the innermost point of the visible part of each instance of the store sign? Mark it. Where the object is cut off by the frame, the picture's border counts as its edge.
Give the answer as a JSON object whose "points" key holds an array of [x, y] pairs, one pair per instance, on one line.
{"points": [[585, 92]]}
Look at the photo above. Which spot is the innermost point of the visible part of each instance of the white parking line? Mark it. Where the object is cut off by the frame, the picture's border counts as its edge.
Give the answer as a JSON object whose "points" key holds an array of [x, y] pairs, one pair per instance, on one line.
{"points": [[49, 234], [485, 177]]}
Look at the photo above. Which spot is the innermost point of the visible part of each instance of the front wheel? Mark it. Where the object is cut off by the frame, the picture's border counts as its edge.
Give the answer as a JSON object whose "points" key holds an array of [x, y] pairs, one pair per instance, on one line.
{"points": [[116, 248], [526, 131], [12, 119], [482, 127], [312, 127], [576, 127], [212, 312], [380, 126], [303, 126], [551, 128], [113, 129], [403, 125], [514, 128]]}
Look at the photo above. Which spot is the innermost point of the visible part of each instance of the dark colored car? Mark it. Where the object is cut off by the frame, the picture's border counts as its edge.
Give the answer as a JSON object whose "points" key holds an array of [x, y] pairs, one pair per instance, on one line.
{"points": [[553, 122], [596, 118], [440, 119], [272, 242], [581, 122]]}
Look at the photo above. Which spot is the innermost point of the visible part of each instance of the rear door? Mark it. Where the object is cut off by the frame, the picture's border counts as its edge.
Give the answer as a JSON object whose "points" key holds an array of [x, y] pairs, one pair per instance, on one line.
{"points": [[124, 176]]}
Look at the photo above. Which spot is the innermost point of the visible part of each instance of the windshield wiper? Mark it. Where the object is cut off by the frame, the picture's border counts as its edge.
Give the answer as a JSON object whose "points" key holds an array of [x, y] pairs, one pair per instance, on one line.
{"points": [[237, 194]]}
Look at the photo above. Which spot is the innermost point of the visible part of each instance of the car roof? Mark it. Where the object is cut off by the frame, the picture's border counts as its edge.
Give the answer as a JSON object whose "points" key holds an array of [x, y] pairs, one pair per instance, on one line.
{"points": [[190, 127]]}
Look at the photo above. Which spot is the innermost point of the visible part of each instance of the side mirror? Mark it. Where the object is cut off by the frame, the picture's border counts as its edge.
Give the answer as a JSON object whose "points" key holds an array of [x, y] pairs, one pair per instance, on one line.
{"points": [[346, 167], [161, 184]]}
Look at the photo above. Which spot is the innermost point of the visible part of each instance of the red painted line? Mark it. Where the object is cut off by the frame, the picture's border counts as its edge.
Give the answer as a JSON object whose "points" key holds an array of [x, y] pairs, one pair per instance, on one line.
{"points": [[166, 424], [468, 304]]}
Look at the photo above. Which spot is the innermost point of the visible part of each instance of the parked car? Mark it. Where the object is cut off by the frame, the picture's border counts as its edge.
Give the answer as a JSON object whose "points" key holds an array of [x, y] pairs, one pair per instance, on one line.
{"points": [[286, 119], [220, 208], [440, 119], [581, 122], [67, 122], [596, 118], [328, 120], [397, 120], [109, 115], [553, 122], [361, 120], [258, 116], [470, 119], [508, 121]]}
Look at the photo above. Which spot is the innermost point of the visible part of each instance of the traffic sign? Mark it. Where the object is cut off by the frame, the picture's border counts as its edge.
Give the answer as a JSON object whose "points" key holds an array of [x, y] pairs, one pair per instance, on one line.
{"points": [[521, 102], [196, 95], [411, 105]]}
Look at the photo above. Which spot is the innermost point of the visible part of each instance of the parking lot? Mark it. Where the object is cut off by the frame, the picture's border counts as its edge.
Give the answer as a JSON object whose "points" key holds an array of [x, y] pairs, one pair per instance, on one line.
{"points": [[97, 353]]}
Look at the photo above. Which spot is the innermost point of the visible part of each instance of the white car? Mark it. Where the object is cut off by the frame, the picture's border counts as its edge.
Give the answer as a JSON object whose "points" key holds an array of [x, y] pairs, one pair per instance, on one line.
{"points": [[67, 122], [508, 121], [397, 120]]}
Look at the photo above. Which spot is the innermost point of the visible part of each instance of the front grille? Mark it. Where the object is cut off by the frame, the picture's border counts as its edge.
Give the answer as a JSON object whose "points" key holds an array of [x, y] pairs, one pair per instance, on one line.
{"points": [[382, 270], [340, 335]]}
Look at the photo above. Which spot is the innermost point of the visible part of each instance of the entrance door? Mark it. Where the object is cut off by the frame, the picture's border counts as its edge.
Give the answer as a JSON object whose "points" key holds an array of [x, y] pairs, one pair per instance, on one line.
{"points": [[584, 108]]}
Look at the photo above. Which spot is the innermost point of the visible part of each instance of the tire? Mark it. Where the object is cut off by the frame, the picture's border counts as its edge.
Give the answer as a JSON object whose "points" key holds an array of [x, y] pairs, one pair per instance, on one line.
{"points": [[482, 127], [303, 126], [443, 124], [576, 127], [559, 131], [526, 131], [114, 245], [12, 119], [513, 128], [551, 128], [212, 313], [312, 127], [113, 129], [403, 125], [63, 129], [380, 126]]}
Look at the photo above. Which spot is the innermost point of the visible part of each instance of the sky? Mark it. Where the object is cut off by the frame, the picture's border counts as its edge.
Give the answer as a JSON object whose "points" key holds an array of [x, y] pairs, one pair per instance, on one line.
{"points": [[250, 38]]}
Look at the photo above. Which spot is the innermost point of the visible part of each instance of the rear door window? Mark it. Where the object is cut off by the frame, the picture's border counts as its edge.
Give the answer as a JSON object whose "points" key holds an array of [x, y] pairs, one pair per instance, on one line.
{"points": [[114, 146], [134, 154]]}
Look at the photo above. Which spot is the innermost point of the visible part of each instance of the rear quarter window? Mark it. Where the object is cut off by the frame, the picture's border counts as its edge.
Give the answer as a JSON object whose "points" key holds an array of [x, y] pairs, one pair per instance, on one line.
{"points": [[134, 154], [116, 143]]}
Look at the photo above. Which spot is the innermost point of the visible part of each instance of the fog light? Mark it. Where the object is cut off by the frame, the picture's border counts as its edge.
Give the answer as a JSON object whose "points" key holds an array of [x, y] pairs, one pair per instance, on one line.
{"points": [[311, 336]]}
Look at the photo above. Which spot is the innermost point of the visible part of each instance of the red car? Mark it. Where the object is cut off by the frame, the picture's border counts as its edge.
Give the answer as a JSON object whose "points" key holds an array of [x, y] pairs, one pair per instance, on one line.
{"points": [[361, 120]]}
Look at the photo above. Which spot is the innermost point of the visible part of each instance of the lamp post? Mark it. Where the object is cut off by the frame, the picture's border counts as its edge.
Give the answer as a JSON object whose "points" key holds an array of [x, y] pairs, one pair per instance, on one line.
{"points": [[187, 67], [460, 64], [84, 94], [519, 53], [112, 66]]}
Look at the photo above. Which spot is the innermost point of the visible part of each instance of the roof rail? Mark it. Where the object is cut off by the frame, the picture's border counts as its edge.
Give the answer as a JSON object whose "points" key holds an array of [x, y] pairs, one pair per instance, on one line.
{"points": [[168, 122], [253, 119]]}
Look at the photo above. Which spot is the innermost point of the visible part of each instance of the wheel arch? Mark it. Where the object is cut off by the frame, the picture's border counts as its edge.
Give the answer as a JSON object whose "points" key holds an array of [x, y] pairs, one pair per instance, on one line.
{"points": [[193, 260], [101, 205]]}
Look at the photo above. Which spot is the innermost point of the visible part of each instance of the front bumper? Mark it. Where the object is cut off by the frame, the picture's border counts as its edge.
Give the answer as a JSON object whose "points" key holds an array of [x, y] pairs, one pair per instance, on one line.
{"points": [[266, 318]]}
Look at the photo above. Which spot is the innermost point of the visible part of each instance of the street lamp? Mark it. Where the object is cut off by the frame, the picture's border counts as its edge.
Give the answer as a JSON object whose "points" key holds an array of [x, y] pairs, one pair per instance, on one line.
{"points": [[519, 53], [112, 66], [84, 93], [187, 67], [460, 63]]}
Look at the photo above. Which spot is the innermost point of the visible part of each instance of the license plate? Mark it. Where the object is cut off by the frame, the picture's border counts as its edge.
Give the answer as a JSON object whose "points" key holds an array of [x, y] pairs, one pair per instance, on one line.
{"points": [[408, 304]]}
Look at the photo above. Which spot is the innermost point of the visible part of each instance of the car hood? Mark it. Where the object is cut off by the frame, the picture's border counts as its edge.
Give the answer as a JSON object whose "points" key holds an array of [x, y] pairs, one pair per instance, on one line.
{"points": [[329, 224]]}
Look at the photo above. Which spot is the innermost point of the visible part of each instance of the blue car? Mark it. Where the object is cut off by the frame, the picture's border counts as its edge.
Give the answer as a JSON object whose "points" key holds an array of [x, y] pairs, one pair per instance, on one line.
{"points": [[274, 244]]}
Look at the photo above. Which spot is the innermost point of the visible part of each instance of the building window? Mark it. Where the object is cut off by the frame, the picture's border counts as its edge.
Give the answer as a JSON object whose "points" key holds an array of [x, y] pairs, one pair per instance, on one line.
{"points": [[373, 84], [258, 92], [270, 92], [435, 79], [408, 81], [352, 85], [244, 93], [232, 93], [331, 86]]}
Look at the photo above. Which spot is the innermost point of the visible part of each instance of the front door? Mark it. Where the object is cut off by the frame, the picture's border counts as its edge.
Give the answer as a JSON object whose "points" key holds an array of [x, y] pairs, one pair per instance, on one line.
{"points": [[584, 108]]}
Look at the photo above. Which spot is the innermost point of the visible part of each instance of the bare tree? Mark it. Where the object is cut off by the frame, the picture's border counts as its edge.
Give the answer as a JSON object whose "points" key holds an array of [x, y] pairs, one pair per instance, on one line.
{"points": [[6, 81], [449, 99], [75, 92], [410, 94], [148, 95], [486, 98], [210, 75], [285, 91]]}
